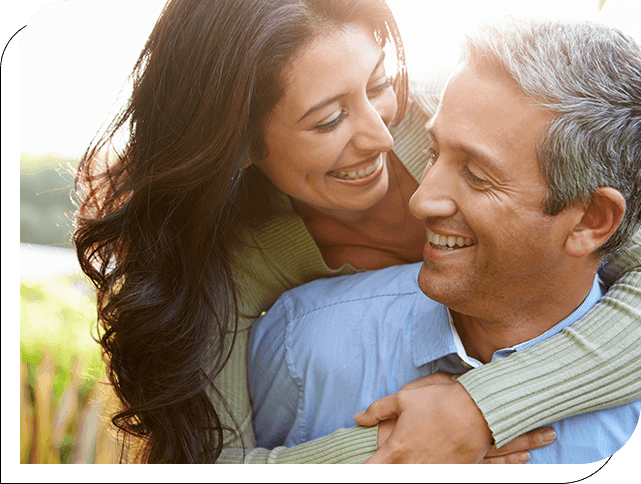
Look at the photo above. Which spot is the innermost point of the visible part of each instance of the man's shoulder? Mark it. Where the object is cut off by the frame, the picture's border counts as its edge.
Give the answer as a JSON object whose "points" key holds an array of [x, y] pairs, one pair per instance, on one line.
{"points": [[389, 282], [327, 308]]}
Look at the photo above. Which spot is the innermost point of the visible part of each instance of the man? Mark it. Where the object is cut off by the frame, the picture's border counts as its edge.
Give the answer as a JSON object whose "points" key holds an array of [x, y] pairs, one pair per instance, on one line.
{"points": [[534, 178]]}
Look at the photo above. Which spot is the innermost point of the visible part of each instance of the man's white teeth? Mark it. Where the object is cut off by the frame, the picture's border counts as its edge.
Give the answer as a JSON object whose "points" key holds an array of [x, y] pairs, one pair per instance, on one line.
{"points": [[448, 242], [354, 175]]}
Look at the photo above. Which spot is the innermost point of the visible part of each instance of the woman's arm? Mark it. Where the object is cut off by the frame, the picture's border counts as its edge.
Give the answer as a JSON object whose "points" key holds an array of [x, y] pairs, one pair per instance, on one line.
{"points": [[344, 446]]}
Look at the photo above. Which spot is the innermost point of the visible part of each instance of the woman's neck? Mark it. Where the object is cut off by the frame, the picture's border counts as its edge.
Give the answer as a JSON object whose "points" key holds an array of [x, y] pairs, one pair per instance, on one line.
{"points": [[383, 235], [354, 218]]}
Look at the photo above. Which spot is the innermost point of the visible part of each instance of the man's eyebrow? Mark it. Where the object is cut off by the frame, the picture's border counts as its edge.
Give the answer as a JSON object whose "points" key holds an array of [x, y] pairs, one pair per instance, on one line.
{"points": [[325, 102], [473, 152]]}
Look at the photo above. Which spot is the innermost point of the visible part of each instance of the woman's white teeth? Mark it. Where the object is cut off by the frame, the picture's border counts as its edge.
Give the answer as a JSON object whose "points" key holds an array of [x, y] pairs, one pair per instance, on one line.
{"points": [[351, 175], [448, 242]]}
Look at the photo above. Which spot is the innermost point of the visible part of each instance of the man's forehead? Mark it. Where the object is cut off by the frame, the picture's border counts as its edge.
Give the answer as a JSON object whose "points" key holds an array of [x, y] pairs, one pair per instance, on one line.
{"points": [[484, 112]]}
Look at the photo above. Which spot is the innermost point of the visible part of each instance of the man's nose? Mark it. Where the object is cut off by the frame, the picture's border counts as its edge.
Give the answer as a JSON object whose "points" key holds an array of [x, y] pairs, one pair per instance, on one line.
{"points": [[434, 196]]}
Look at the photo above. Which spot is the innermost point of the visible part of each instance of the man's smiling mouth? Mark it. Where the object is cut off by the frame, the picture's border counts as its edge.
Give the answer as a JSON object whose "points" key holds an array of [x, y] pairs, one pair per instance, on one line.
{"points": [[445, 242]]}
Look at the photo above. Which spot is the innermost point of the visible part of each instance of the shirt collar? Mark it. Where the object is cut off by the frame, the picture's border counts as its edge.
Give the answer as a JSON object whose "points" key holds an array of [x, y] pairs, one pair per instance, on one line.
{"points": [[434, 335]]}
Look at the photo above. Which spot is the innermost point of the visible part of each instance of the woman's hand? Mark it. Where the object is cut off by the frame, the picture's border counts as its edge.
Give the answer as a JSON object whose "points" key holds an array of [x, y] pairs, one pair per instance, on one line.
{"points": [[434, 420]]}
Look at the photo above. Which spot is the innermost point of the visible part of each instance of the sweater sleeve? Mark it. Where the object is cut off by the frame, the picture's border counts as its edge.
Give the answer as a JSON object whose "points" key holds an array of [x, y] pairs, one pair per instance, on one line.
{"points": [[344, 446], [594, 364]]}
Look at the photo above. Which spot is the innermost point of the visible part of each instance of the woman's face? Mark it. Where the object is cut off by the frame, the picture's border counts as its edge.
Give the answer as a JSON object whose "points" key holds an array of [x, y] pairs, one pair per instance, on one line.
{"points": [[328, 136]]}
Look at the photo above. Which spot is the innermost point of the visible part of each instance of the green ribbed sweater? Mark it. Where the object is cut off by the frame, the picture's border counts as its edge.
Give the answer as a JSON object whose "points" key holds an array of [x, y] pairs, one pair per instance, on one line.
{"points": [[594, 364]]}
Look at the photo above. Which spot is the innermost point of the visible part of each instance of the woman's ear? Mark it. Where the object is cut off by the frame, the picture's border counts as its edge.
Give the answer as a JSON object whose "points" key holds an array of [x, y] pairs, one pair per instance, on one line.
{"points": [[603, 215], [247, 163]]}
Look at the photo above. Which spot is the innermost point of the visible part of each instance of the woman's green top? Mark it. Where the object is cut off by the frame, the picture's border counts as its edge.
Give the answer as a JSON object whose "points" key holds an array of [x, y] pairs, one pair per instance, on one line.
{"points": [[594, 364]]}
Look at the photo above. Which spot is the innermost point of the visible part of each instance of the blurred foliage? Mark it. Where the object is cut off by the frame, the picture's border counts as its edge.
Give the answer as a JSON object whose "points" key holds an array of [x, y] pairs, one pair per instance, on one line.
{"points": [[62, 406], [63, 418], [46, 209], [58, 314]]}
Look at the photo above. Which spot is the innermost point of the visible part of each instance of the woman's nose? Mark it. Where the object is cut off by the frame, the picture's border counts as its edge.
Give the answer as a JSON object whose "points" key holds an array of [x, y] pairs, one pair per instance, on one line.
{"points": [[373, 128]]}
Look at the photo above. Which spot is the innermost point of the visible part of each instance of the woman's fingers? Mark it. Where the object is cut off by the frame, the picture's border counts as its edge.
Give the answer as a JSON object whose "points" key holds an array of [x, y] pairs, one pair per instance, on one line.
{"points": [[529, 440], [518, 458]]}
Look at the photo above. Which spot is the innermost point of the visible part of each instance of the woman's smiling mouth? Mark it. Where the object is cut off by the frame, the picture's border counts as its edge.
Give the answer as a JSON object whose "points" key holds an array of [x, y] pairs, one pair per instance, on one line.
{"points": [[364, 174]]}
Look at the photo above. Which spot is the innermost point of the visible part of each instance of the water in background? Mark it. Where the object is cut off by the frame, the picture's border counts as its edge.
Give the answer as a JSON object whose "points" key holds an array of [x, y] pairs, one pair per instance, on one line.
{"points": [[39, 262]]}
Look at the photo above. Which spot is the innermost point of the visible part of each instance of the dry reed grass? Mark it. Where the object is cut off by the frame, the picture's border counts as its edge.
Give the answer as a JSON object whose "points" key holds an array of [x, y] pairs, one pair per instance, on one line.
{"points": [[73, 430]]}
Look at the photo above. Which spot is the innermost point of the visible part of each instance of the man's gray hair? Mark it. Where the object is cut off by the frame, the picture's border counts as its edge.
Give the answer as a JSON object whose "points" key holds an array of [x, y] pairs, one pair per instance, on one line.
{"points": [[590, 76]]}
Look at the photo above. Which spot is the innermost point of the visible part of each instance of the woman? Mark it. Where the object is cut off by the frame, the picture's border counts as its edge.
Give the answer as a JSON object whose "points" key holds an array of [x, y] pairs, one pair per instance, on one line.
{"points": [[227, 194]]}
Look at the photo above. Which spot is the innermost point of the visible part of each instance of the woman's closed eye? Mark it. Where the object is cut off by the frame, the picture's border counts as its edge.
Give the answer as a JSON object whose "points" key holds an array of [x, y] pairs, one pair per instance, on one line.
{"points": [[380, 87], [329, 126]]}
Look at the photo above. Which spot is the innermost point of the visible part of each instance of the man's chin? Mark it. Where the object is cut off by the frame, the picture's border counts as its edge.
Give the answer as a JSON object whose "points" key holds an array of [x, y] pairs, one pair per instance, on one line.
{"points": [[438, 287]]}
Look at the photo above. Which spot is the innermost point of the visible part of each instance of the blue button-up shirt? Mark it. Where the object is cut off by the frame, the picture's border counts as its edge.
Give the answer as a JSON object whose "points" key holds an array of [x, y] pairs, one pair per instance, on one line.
{"points": [[328, 349]]}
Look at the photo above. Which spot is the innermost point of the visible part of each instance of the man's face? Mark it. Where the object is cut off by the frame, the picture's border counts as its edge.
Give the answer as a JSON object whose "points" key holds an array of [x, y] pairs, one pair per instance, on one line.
{"points": [[491, 247]]}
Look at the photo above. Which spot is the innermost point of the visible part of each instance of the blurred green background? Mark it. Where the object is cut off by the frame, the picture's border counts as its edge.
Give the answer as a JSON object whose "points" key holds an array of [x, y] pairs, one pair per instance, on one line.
{"points": [[62, 402]]}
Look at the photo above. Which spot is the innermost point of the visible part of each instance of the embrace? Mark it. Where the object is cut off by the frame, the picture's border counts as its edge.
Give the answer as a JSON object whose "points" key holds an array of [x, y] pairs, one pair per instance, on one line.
{"points": [[295, 249]]}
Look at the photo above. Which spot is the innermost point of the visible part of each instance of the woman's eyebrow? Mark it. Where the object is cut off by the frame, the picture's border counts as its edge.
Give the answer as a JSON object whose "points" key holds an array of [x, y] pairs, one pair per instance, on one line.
{"points": [[330, 100], [321, 105]]}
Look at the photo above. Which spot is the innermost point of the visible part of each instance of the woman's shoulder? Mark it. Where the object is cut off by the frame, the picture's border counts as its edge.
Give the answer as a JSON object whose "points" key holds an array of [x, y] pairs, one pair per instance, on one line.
{"points": [[426, 87]]}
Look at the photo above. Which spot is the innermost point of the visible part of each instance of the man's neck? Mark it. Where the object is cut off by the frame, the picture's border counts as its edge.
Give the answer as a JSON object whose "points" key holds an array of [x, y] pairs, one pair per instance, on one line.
{"points": [[481, 338]]}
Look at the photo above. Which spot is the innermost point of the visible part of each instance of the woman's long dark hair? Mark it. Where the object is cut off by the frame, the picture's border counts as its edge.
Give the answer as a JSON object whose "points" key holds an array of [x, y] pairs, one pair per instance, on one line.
{"points": [[156, 220]]}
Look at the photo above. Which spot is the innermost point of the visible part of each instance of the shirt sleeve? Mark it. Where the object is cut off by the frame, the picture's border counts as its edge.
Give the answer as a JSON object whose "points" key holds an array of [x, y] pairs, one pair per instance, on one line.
{"points": [[272, 389], [594, 364]]}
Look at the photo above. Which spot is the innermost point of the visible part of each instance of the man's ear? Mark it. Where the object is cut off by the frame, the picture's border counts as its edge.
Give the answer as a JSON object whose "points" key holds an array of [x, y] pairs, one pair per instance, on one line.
{"points": [[601, 218]]}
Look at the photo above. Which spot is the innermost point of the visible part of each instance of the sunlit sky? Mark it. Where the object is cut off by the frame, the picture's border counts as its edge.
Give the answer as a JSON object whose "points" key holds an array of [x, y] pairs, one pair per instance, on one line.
{"points": [[76, 56]]}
